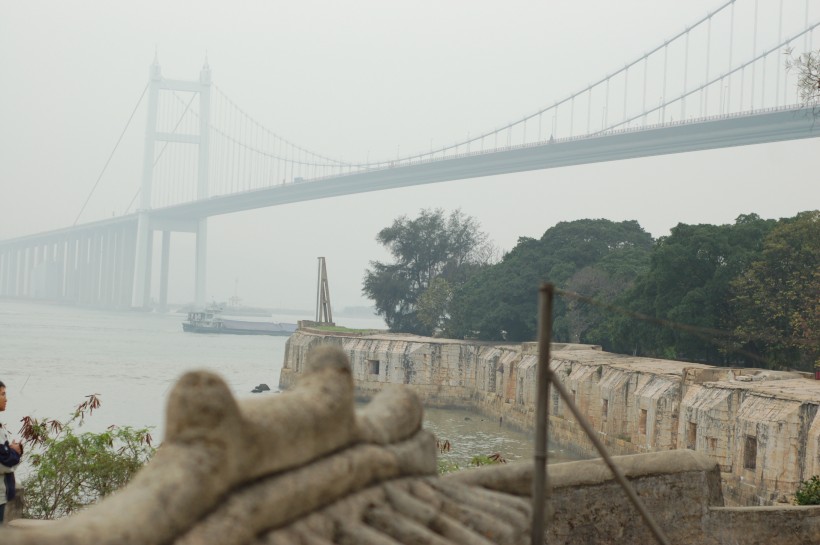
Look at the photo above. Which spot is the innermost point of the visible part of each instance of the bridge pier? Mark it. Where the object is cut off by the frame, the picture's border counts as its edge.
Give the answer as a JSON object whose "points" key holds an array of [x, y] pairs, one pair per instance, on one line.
{"points": [[163, 274], [109, 263], [142, 264], [201, 262]]}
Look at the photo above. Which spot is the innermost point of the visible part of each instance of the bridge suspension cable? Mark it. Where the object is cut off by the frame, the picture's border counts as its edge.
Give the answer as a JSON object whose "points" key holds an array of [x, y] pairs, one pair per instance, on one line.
{"points": [[127, 124], [164, 147], [634, 110], [245, 155]]}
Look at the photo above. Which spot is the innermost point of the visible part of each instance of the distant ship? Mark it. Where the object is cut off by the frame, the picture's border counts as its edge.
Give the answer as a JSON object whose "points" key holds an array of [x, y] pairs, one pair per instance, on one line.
{"points": [[212, 321]]}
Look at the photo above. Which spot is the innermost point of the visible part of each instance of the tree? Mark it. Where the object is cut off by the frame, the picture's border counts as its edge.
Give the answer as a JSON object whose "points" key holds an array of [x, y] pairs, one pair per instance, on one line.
{"points": [[73, 470], [688, 282], [500, 302], [777, 299], [434, 303], [424, 249], [807, 67]]}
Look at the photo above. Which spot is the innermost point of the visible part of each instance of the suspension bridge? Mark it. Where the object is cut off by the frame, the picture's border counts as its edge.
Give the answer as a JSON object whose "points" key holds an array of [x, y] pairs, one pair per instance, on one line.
{"points": [[719, 82]]}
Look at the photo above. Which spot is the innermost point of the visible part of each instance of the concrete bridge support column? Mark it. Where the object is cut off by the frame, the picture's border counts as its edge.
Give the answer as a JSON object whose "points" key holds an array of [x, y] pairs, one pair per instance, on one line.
{"points": [[129, 256], [96, 263], [5, 257], [19, 268], [201, 262], [119, 265], [59, 273], [69, 288], [83, 271], [36, 273], [24, 263], [11, 281], [115, 267], [142, 264], [5, 271], [9, 274], [26, 270], [163, 275], [107, 274]]}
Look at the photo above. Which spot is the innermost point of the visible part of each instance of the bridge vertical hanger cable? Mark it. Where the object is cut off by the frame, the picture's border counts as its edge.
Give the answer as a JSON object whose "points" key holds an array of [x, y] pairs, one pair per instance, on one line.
{"points": [[731, 46], [645, 70], [111, 155], [779, 37], [806, 44], [685, 76], [754, 53], [663, 95], [626, 85], [705, 109], [509, 127], [740, 68], [166, 193]]}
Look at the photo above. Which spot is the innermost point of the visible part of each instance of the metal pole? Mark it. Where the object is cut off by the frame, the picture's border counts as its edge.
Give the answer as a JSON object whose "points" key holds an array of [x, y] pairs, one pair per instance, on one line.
{"points": [[659, 535], [540, 486]]}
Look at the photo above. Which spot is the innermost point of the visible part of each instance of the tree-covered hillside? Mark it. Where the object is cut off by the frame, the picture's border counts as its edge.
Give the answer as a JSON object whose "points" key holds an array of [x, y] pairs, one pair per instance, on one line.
{"points": [[746, 293]]}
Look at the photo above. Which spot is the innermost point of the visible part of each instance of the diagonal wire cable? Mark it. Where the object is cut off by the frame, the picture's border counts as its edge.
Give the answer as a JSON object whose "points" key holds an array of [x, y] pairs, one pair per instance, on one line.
{"points": [[159, 155], [111, 155], [335, 162]]}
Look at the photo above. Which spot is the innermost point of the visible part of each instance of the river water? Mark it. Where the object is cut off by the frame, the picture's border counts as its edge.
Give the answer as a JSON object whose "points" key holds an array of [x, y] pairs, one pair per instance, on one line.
{"points": [[52, 356]]}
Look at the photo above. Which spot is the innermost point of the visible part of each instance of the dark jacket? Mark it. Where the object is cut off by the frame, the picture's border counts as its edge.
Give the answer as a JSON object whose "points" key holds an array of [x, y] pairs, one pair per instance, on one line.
{"points": [[9, 459]]}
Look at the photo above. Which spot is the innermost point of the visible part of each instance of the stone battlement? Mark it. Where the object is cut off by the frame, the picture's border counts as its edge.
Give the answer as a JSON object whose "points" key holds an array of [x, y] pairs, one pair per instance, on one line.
{"points": [[761, 427], [309, 467]]}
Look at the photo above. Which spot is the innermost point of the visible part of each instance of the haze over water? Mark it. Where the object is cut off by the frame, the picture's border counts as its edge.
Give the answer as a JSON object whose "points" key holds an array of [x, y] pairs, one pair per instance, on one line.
{"points": [[52, 356]]}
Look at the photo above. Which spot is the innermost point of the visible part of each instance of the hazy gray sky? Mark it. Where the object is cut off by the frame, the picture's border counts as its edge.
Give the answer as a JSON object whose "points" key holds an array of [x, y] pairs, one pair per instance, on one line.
{"points": [[353, 80]]}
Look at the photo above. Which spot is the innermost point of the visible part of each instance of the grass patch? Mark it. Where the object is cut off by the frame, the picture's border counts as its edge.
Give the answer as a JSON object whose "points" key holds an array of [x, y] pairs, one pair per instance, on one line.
{"points": [[341, 329]]}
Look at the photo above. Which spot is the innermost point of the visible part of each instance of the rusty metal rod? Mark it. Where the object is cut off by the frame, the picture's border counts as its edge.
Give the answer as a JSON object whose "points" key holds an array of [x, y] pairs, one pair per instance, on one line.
{"points": [[540, 484], [660, 536]]}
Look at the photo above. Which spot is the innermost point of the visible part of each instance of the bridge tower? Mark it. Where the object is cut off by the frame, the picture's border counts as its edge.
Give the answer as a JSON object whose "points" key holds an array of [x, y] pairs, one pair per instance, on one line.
{"points": [[146, 224]]}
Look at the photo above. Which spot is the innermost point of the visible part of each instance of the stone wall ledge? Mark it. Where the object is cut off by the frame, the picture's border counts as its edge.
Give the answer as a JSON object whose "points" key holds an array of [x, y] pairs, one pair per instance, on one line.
{"points": [[761, 427]]}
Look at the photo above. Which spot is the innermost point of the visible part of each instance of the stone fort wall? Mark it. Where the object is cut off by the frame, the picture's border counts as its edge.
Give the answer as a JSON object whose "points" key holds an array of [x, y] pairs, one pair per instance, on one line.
{"points": [[761, 427]]}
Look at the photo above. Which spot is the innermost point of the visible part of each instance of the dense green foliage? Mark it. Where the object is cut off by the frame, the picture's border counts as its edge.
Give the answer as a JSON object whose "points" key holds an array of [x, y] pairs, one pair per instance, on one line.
{"points": [[596, 257], [433, 255], [777, 298], [688, 282], [746, 293], [72, 470], [808, 493]]}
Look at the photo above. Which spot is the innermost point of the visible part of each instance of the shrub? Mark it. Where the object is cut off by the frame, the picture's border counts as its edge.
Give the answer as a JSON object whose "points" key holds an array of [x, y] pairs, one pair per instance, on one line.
{"points": [[72, 470], [808, 493]]}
